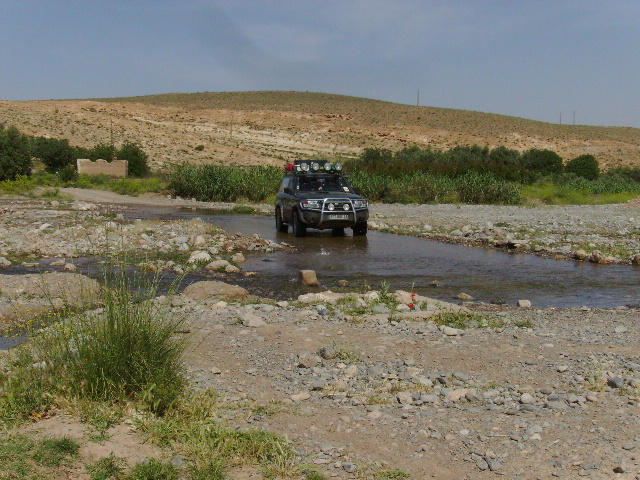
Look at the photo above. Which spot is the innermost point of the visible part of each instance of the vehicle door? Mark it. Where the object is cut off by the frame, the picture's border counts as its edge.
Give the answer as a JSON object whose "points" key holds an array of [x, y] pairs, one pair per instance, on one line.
{"points": [[288, 198]]}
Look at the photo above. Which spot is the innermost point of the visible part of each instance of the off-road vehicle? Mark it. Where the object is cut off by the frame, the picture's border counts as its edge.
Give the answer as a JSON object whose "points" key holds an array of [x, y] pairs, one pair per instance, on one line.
{"points": [[315, 194]]}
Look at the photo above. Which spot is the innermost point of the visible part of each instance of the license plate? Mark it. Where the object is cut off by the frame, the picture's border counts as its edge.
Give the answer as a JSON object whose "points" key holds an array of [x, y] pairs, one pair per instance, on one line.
{"points": [[338, 217]]}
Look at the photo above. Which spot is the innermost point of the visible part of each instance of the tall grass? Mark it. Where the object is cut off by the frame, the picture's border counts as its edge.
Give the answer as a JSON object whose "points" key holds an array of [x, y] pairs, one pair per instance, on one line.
{"points": [[421, 187], [225, 183], [126, 350]]}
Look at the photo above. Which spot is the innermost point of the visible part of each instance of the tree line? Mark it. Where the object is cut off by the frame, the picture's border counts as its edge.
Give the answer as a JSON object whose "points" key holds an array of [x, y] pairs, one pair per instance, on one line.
{"points": [[17, 152], [501, 162]]}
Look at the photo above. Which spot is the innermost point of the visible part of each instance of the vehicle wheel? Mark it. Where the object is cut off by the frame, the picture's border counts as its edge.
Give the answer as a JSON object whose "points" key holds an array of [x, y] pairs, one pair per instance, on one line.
{"points": [[280, 225], [299, 228], [337, 232], [360, 229]]}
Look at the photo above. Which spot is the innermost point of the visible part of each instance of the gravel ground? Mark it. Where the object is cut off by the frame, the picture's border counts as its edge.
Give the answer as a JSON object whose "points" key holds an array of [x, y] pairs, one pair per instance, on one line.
{"points": [[517, 392]]}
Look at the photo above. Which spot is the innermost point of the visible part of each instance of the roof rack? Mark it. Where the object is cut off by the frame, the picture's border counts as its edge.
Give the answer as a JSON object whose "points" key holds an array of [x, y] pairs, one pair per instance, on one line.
{"points": [[313, 166]]}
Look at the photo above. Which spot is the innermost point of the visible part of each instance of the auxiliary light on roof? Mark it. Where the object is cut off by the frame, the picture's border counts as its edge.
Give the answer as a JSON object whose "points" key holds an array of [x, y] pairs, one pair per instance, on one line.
{"points": [[315, 166]]}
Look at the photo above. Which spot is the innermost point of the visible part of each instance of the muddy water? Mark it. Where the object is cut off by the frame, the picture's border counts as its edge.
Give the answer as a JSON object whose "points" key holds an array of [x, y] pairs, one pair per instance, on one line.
{"points": [[412, 263]]}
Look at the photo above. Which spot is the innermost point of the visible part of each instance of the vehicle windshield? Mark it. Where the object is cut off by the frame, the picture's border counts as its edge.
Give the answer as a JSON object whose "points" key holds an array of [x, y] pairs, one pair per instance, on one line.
{"points": [[323, 183]]}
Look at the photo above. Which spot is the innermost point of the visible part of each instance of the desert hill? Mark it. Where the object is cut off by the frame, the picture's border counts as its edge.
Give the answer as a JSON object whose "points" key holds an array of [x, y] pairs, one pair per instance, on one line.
{"points": [[271, 127]]}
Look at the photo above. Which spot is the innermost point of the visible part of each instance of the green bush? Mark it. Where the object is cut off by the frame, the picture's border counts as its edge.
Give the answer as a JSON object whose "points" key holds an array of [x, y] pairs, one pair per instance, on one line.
{"points": [[102, 151], [585, 166], [56, 154], [541, 162], [133, 153], [68, 174], [629, 173], [15, 154]]}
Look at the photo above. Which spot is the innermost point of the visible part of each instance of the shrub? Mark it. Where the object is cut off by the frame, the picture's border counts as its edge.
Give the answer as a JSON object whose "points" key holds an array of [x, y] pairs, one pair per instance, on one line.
{"points": [[15, 154], [102, 151], [133, 153], [541, 162], [68, 174], [56, 154], [632, 173], [585, 166]]}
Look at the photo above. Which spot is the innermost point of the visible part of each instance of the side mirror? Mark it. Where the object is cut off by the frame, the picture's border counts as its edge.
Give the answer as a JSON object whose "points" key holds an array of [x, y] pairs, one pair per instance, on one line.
{"points": [[288, 190]]}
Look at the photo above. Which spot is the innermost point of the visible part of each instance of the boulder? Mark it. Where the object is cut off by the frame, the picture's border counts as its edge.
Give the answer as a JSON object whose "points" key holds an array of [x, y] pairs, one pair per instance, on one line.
{"points": [[238, 258], [217, 265], [450, 331], [251, 320], [322, 297], [309, 277], [199, 257], [209, 289]]}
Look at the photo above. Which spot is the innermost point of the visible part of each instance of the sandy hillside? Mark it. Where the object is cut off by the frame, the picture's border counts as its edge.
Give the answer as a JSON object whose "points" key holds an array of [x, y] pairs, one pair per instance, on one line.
{"points": [[271, 127]]}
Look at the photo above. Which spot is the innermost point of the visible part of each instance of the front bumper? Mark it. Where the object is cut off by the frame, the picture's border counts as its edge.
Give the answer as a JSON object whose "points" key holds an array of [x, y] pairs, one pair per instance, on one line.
{"points": [[322, 220]]}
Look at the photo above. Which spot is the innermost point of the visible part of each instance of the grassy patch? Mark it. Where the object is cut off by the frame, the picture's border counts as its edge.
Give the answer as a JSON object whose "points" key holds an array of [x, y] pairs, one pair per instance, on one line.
{"points": [[393, 474], [107, 468], [52, 452], [154, 470], [553, 194], [22, 457], [124, 186], [194, 429], [524, 324], [465, 320]]}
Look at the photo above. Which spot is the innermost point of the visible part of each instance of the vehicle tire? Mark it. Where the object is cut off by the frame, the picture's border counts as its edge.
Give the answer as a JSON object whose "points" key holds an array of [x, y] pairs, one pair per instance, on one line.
{"points": [[299, 228], [280, 225], [360, 229], [337, 232]]}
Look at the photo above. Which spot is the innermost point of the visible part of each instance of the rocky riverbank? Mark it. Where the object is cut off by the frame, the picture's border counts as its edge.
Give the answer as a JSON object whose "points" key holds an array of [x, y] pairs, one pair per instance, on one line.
{"points": [[378, 381], [399, 383], [596, 233], [513, 391]]}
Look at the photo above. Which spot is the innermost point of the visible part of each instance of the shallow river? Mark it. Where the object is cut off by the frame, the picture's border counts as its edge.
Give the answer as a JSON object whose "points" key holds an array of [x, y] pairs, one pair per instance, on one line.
{"points": [[407, 262]]}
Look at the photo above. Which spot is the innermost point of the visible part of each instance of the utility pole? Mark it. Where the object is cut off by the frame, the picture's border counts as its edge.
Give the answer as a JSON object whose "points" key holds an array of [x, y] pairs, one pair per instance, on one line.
{"points": [[560, 118], [574, 118], [418, 101]]}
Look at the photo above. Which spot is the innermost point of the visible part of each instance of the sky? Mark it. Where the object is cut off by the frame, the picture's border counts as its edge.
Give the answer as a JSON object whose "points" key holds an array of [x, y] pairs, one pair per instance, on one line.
{"points": [[575, 61]]}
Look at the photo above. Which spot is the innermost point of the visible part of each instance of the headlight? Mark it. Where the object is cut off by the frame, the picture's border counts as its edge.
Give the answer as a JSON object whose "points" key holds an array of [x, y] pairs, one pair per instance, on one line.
{"points": [[315, 166], [310, 204], [331, 207], [360, 204], [346, 207]]}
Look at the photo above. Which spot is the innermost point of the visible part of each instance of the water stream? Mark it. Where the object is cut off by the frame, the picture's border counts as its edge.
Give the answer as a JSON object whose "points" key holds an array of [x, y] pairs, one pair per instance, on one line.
{"points": [[403, 262], [413, 263]]}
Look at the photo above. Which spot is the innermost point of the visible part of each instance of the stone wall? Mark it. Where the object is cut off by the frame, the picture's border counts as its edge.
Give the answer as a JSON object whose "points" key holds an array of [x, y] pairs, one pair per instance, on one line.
{"points": [[116, 168]]}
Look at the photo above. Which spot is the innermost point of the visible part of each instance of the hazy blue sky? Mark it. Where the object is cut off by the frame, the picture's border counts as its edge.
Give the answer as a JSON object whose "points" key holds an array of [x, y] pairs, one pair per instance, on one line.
{"points": [[528, 58]]}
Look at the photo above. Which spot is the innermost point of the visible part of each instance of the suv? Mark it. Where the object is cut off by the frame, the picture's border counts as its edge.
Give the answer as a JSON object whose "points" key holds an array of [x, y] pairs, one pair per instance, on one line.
{"points": [[315, 194]]}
